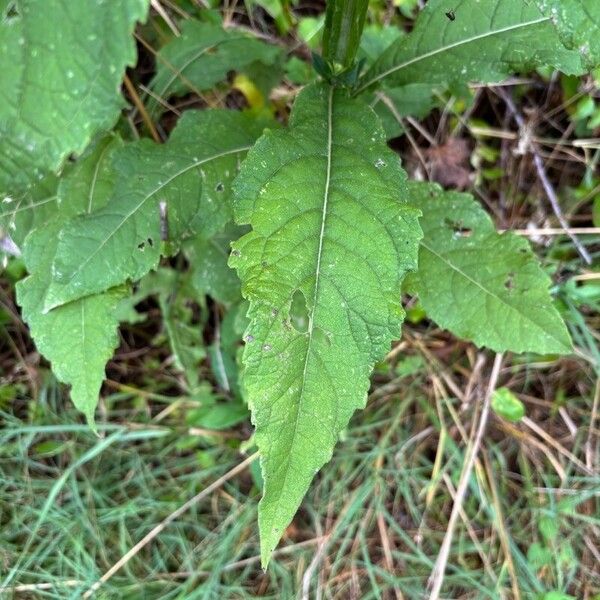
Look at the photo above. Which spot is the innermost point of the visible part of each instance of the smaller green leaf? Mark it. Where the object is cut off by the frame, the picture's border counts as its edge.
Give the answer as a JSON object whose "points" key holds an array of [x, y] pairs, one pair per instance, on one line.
{"points": [[548, 527], [202, 56], [309, 31], [62, 66], [299, 71], [191, 180], [485, 41], [210, 272], [578, 23], [220, 415], [80, 337], [49, 448], [538, 556], [375, 39], [506, 405], [479, 284]]}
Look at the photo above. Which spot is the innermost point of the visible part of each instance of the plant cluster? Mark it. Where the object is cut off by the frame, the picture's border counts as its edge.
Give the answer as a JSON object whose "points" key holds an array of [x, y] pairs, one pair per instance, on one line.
{"points": [[306, 233]]}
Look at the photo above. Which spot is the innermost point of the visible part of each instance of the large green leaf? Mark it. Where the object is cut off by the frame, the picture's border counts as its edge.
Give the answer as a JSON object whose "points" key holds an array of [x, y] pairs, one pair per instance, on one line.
{"points": [[203, 55], [61, 66], [486, 41], [190, 175], [479, 284], [578, 22], [80, 337], [330, 243]]}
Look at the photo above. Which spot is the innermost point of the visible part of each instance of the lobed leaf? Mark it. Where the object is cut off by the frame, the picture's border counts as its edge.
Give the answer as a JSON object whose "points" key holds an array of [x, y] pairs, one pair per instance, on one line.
{"points": [[62, 64], [486, 41], [80, 337], [322, 268], [190, 174], [479, 284]]}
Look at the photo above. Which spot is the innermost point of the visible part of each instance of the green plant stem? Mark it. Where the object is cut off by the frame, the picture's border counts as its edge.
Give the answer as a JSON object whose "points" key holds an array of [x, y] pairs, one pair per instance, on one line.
{"points": [[344, 22]]}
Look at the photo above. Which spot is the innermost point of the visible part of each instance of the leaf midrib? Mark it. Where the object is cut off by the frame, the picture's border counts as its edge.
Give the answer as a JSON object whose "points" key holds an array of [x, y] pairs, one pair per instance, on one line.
{"points": [[317, 277], [447, 48]]}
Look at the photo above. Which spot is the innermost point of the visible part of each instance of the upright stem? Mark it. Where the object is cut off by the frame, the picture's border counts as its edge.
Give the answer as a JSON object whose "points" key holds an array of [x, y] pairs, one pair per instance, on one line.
{"points": [[344, 22]]}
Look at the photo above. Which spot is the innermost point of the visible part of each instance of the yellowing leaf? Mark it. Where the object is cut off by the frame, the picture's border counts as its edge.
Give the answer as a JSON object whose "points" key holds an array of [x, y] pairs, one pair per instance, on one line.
{"points": [[203, 55]]}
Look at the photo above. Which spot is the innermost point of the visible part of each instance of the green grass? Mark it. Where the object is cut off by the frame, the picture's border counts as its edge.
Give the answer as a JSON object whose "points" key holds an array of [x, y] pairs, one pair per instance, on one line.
{"points": [[72, 504]]}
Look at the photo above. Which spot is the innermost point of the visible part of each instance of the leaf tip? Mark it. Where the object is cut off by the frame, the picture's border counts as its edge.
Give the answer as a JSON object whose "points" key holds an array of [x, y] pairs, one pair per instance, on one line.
{"points": [[88, 409], [92, 424], [268, 543], [271, 526]]}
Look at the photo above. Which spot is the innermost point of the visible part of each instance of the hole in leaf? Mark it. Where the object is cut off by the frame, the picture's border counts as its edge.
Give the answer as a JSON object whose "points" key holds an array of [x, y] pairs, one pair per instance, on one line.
{"points": [[219, 187], [150, 242], [12, 11], [509, 284], [141, 245], [299, 312]]}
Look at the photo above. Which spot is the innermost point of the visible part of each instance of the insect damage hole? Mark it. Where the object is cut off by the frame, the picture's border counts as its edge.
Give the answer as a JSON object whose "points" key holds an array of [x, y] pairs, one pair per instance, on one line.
{"points": [[299, 312], [509, 283]]}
